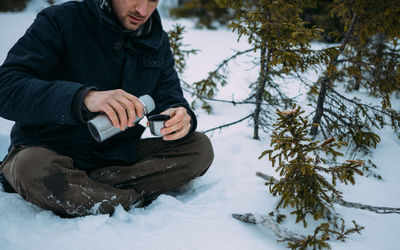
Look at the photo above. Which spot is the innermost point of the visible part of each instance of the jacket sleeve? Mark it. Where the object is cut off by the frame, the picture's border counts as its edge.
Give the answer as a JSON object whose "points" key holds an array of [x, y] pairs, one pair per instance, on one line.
{"points": [[29, 89], [168, 91]]}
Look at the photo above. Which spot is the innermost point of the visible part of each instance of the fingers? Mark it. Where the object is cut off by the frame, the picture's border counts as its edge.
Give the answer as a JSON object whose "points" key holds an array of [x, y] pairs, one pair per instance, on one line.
{"points": [[178, 126], [121, 107], [112, 116], [127, 108], [177, 134], [121, 113], [177, 115], [133, 104]]}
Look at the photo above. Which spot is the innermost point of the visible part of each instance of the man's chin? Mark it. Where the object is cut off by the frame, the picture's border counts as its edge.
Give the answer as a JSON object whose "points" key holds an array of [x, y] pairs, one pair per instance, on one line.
{"points": [[131, 26]]}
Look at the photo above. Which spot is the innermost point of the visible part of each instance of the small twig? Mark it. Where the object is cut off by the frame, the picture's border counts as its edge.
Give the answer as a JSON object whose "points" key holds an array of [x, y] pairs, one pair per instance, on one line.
{"points": [[227, 60], [233, 102], [379, 210], [267, 177], [228, 124], [374, 108], [218, 100]]}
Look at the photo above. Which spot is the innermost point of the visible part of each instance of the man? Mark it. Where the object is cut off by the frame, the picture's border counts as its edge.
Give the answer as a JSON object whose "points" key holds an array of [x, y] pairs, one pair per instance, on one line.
{"points": [[80, 59]]}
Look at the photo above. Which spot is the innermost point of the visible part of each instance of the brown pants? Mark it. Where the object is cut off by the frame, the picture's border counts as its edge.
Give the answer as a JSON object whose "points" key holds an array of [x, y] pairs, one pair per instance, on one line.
{"points": [[50, 181]]}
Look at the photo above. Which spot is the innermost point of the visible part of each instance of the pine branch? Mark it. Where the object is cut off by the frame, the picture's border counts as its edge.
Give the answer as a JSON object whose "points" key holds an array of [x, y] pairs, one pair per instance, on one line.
{"points": [[379, 210], [360, 104], [233, 102], [267, 177], [229, 124], [283, 234], [227, 60], [338, 117]]}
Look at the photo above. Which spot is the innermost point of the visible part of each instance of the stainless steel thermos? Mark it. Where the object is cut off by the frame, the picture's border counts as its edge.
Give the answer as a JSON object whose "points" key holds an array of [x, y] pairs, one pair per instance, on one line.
{"points": [[101, 127]]}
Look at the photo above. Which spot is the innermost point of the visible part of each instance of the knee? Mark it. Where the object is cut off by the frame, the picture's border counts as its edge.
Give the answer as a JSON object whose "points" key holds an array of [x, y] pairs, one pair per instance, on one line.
{"points": [[30, 170], [34, 162], [204, 151], [205, 148], [23, 165]]}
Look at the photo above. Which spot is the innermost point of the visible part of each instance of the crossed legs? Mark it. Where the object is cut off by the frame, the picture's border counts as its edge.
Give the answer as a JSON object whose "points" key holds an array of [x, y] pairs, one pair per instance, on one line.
{"points": [[50, 181]]}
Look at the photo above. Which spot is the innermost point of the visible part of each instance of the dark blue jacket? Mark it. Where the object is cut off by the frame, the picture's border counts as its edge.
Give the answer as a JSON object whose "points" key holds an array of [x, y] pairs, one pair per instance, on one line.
{"points": [[68, 49]]}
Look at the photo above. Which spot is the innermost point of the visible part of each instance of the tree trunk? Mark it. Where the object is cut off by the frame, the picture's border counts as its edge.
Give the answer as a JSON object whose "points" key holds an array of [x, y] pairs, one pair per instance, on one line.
{"points": [[327, 80], [260, 91], [379, 66], [320, 106], [358, 77]]}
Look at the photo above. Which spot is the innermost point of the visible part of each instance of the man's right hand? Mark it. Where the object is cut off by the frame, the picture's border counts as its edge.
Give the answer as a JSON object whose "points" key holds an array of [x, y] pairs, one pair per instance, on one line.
{"points": [[120, 106]]}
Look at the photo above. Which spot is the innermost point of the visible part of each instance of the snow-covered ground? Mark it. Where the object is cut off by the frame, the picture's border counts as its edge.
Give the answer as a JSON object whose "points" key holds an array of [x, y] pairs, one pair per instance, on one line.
{"points": [[199, 218]]}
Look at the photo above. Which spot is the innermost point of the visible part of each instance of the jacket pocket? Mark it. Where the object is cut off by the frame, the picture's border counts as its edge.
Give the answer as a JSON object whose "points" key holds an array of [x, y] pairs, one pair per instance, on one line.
{"points": [[144, 77], [151, 63]]}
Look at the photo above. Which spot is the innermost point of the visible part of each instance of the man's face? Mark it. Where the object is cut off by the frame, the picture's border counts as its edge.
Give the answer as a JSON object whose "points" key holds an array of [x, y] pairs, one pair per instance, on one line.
{"points": [[134, 13]]}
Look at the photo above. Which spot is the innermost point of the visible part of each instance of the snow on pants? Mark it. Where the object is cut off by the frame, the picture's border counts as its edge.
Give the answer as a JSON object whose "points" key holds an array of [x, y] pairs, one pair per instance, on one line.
{"points": [[50, 180]]}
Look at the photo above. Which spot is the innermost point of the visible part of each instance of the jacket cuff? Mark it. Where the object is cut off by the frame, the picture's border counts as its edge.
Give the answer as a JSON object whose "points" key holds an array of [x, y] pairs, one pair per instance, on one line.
{"points": [[79, 110]]}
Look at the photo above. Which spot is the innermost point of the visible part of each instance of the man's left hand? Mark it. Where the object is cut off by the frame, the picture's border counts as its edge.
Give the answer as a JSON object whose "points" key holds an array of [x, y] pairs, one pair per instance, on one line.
{"points": [[178, 125]]}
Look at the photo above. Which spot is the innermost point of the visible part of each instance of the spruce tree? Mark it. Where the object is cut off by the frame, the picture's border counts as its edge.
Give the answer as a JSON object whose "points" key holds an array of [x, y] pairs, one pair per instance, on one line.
{"points": [[304, 165], [281, 39], [319, 15], [368, 58], [373, 46], [309, 173], [178, 48], [207, 12]]}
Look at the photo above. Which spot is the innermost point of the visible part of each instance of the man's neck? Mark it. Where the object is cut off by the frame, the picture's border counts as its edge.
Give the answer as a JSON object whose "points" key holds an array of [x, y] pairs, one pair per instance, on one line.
{"points": [[106, 7]]}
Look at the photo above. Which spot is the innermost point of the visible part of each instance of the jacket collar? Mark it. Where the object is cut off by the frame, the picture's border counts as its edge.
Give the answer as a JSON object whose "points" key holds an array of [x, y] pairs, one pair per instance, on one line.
{"points": [[152, 39]]}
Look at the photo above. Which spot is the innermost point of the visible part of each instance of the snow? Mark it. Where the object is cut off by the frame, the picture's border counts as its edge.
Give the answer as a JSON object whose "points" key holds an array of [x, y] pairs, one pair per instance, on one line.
{"points": [[200, 217]]}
